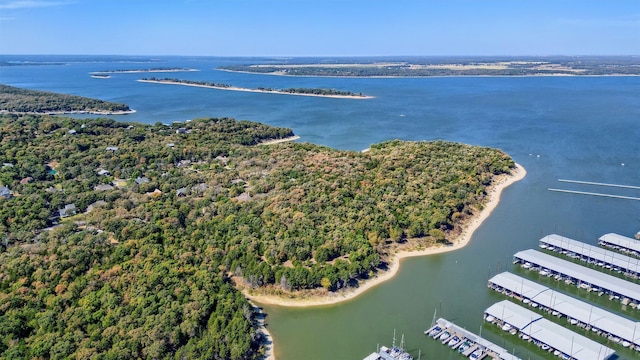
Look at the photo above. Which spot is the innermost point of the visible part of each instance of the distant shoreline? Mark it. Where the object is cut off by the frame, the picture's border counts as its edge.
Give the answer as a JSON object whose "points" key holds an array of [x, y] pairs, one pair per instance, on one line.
{"points": [[140, 71], [494, 192], [234, 88], [88, 112], [430, 76]]}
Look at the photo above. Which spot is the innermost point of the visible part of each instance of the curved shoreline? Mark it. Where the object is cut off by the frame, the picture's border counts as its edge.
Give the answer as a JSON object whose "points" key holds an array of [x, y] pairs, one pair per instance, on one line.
{"points": [[494, 193], [234, 88], [89, 112]]}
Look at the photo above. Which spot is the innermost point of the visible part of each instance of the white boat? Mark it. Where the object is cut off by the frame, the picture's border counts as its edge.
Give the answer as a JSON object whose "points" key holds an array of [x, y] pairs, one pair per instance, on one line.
{"points": [[489, 318], [445, 335], [433, 331], [527, 265], [454, 341], [506, 327], [544, 272], [476, 354]]}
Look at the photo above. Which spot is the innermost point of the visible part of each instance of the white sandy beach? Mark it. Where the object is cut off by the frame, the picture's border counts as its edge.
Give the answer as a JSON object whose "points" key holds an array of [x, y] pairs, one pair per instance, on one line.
{"points": [[461, 241], [234, 88]]}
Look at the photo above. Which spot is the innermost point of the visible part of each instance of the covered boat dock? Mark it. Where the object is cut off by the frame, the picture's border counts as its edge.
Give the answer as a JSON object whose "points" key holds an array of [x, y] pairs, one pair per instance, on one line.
{"points": [[546, 334], [612, 326], [621, 243], [585, 277], [592, 254]]}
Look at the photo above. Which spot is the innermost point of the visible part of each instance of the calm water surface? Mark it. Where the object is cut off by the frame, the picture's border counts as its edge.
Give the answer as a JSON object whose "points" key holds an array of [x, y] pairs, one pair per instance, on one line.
{"points": [[581, 128]]}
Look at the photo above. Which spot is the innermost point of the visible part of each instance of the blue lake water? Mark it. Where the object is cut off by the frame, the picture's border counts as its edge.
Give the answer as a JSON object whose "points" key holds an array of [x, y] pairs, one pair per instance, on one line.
{"points": [[582, 128]]}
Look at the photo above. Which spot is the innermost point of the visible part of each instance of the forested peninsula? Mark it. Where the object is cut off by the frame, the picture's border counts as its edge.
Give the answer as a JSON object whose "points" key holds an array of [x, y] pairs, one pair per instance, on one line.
{"points": [[122, 240], [288, 91], [23, 101]]}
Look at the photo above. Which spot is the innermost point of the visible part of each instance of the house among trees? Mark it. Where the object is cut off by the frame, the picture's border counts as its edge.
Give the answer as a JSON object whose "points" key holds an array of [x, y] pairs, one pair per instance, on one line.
{"points": [[112, 148], [68, 210], [5, 192], [104, 172], [181, 192]]}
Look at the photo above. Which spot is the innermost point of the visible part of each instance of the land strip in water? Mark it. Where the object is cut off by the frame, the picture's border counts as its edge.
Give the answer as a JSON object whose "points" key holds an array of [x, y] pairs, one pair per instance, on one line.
{"points": [[465, 66], [328, 93]]}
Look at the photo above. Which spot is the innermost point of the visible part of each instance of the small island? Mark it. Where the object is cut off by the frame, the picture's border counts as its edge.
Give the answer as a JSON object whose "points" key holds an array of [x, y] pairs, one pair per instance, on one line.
{"points": [[15, 100], [329, 93], [136, 71]]}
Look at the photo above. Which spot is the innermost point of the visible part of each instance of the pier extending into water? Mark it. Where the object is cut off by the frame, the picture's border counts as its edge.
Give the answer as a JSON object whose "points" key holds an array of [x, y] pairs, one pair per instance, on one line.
{"points": [[595, 194], [614, 327], [467, 343], [546, 334], [599, 184], [610, 260]]}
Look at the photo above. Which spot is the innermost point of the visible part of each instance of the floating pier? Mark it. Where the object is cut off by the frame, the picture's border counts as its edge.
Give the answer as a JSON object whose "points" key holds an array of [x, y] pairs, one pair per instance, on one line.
{"points": [[595, 194], [546, 334], [583, 276], [620, 243], [592, 254], [619, 329], [468, 344]]}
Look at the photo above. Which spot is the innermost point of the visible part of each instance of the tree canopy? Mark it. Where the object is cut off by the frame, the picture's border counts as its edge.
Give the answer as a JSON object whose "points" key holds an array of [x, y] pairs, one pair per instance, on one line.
{"points": [[144, 268]]}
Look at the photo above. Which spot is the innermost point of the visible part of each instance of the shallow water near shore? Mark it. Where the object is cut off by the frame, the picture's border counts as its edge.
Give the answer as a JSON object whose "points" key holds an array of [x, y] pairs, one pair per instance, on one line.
{"points": [[582, 128]]}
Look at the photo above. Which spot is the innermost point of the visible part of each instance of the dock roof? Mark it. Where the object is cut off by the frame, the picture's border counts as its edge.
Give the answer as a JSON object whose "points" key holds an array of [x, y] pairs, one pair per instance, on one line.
{"points": [[569, 306], [552, 334], [581, 273], [621, 241], [613, 258]]}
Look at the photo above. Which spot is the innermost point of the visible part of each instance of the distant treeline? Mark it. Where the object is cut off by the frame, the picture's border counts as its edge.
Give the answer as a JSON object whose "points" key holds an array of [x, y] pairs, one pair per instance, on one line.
{"points": [[17, 100], [515, 67]]}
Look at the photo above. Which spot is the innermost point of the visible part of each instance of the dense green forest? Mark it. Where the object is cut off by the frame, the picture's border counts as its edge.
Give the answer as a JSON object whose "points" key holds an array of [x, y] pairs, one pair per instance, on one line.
{"points": [[17, 100], [309, 91], [167, 214]]}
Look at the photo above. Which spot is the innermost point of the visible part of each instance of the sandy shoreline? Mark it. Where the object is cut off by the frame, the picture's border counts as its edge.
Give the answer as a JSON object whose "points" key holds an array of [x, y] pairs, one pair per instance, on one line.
{"points": [[278, 141], [461, 241], [234, 88], [68, 112]]}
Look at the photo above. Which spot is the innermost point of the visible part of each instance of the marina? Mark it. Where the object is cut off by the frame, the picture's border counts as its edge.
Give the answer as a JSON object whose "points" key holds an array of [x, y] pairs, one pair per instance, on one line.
{"points": [[393, 353], [620, 243], [586, 278], [465, 342], [594, 255], [546, 334], [616, 328]]}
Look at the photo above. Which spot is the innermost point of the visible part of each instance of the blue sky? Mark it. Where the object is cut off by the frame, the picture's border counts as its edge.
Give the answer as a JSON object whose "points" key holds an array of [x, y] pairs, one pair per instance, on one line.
{"points": [[320, 27]]}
